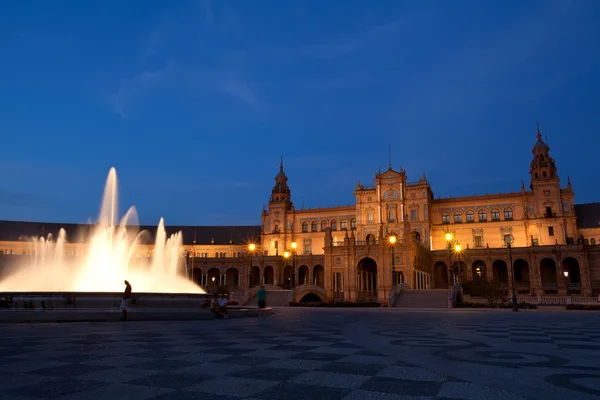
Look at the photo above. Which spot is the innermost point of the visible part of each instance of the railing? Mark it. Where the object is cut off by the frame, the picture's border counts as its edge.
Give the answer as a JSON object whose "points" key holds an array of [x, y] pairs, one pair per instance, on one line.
{"points": [[338, 244], [550, 215], [366, 242], [544, 300]]}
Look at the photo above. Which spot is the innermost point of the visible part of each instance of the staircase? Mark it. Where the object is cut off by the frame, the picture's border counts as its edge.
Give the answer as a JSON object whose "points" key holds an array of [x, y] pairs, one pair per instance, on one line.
{"points": [[274, 298], [436, 298]]}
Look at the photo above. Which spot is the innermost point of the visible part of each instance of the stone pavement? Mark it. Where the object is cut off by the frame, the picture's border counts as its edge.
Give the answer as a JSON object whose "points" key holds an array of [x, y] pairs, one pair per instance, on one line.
{"points": [[310, 354]]}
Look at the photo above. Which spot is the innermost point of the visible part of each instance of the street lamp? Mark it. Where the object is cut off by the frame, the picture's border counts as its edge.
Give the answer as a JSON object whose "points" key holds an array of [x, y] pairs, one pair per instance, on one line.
{"points": [[566, 273], [213, 281], [251, 248], [286, 255], [512, 273], [449, 237], [393, 239], [294, 246]]}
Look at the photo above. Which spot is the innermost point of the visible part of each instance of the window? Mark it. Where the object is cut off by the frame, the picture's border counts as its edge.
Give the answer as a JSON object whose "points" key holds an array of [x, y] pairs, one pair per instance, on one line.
{"points": [[305, 227], [370, 218], [457, 217], [495, 215], [353, 223], [534, 242], [550, 231], [391, 215], [323, 225], [478, 241], [508, 214], [334, 225], [548, 211], [313, 226], [470, 216], [307, 247], [446, 218], [344, 225], [482, 214], [276, 228], [592, 241], [413, 215]]}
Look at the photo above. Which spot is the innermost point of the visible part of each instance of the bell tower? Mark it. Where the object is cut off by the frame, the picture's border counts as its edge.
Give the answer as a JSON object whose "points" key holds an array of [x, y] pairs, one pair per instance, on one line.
{"points": [[278, 218], [542, 168]]}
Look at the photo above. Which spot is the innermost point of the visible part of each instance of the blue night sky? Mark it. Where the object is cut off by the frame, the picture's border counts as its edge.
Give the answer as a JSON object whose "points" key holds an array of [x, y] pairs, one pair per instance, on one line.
{"points": [[194, 102]]}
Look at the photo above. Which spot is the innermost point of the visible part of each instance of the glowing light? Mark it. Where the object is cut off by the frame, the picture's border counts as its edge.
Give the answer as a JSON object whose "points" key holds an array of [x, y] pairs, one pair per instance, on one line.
{"points": [[251, 247], [449, 237], [286, 254], [392, 239], [294, 245], [457, 248], [566, 274]]}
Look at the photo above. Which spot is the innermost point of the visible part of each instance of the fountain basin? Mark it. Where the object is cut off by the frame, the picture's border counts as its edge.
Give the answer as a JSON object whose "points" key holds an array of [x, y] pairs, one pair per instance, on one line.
{"points": [[104, 306]]}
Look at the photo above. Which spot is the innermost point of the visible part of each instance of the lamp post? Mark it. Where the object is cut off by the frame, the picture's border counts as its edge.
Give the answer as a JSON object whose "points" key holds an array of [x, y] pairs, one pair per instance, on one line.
{"points": [[213, 281], [251, 248], [449, 237], [294, 246], [393, 239], [512, 273], [566, 273], [286, 256]]}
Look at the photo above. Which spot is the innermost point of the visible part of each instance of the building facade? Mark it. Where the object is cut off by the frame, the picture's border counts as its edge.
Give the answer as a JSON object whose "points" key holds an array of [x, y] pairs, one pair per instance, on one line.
{"points": [[397, 233]]}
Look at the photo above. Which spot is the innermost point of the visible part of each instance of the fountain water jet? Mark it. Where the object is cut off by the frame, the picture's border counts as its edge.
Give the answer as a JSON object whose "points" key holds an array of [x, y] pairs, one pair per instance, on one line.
{"points": [[107, 259]]}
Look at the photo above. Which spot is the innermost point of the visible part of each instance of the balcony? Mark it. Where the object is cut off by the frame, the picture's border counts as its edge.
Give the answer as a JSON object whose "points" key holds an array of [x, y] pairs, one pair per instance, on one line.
{"points": [[549, 215]]}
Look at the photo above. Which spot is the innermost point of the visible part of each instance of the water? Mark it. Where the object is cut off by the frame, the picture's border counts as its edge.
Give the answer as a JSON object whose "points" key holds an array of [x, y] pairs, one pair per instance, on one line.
{"points": [[114, 252]]}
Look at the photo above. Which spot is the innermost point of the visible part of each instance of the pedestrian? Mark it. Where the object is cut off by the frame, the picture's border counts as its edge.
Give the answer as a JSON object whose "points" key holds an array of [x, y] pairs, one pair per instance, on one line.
{"points": [[223, 306], [261, 296], [125, 301]]}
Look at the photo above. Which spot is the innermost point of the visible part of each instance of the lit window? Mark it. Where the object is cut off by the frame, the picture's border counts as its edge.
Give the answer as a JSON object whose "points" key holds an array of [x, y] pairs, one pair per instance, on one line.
{"points": [[353, 223], [313, 226], [334, 225], [305, 227], [344, 225], [470, 216], [495, 215], [508, 214], [457, 217], [446, 218]]}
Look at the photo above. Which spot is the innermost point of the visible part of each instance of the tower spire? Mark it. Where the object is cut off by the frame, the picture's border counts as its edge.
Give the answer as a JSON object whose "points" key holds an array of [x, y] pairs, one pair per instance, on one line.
{"points": [[539, 134], [281, 164]]}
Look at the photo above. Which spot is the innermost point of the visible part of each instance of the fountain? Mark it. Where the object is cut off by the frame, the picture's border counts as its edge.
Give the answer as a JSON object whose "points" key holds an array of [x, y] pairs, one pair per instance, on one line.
{"points": [[110, 255]]}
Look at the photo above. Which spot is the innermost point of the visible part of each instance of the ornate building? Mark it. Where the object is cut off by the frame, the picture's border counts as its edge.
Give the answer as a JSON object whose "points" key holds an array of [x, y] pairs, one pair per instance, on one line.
{"points": [[396, 234]]}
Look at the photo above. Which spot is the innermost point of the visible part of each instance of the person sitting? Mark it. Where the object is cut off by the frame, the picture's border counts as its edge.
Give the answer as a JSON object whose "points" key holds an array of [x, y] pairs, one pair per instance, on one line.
{"points": [[222, 302]]}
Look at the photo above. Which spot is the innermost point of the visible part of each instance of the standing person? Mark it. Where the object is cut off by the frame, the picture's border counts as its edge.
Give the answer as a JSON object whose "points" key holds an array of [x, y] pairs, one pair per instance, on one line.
{"points": [[125, 301], [261, 296]]}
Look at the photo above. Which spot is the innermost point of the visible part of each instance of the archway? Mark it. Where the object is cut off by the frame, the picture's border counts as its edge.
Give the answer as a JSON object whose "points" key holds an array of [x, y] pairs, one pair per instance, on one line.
{"points": [[367, 277], [440, 275], [269, 275], [521, 273], [571, 265], [288, 277], [197, 276], [416, 236], [319, 275], [254, 276], [500, 271], [232, 278], [457, 271], [311, 298], [548, 274], [213, 279], [478, 271], [303, 275], [371, 239]]}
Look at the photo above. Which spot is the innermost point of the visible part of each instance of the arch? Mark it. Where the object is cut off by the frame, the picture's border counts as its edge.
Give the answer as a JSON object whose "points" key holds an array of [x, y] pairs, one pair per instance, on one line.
{"points": [[440, 275], [495, 214], [390, 194], [303, 275], [319, 275], [457, 217], [508, 214], [500, 271], [232, 278], [197, 276], [305, 226], [482, 215], [333, 225], [371, 239], [312, 297], [458, 271], [254, 276], [478, 270], [288, 277], [470, 216], [212, 279], [592, 241], [416, 236], [446, 217], [548, 273], [367, 277], [323, 225], [571, 265], [269, 275], [313, 226], [521, 273]]}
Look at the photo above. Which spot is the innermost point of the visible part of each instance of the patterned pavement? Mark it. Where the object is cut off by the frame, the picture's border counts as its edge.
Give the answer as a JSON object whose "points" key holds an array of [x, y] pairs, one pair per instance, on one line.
{"points": [[308, 354]]}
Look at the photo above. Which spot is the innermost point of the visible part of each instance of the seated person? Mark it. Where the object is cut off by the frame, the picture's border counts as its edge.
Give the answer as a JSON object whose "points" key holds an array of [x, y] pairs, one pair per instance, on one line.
{"points": [[222, 303]]}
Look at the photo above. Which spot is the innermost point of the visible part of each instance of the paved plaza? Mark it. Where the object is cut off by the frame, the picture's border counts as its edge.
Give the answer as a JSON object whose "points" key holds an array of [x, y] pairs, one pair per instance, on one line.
{"points": [[310, 354]]}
